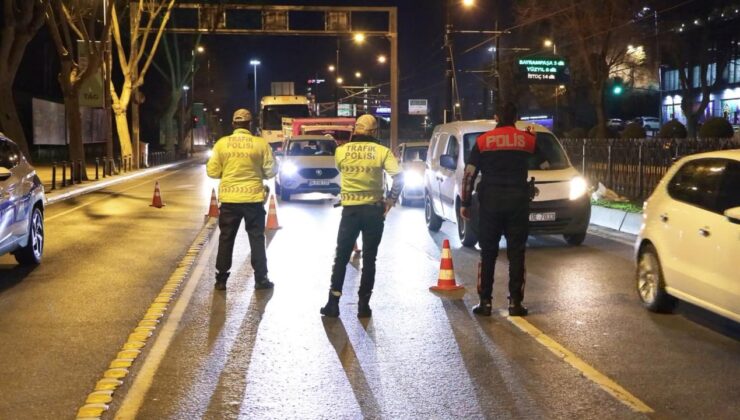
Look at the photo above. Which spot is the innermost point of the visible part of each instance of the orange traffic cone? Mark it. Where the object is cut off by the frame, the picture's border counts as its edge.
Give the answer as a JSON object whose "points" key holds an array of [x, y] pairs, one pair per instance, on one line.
{"points": [[272, 219], [157, 199], [213, 209], [446, 281]]}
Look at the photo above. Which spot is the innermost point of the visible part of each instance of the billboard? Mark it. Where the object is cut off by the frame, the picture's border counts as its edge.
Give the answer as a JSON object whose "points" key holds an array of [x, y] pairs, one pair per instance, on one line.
{"points": [[543, 70], [49, 124], [418, 107]]}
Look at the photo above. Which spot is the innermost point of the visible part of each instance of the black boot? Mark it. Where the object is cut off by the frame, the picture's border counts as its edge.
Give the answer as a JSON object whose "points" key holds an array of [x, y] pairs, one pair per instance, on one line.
{"points": [[363, 306], [221, 281], [517, 309], [332, 306], [263, 283], [483, 308]]}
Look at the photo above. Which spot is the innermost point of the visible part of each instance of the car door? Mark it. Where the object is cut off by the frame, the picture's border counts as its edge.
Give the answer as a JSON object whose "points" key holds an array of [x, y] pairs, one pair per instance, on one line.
{"points": [[724, 281], [9, 196], [448, 178], [432, 175], [691, 228]]}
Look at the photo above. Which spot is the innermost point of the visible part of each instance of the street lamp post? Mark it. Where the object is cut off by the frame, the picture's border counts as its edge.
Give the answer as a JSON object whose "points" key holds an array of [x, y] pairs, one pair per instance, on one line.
{"points": [[255, 63]]}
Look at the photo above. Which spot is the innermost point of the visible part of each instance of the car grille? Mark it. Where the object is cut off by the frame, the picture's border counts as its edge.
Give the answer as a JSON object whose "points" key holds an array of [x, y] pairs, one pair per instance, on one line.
{"points": [[318, 173]]}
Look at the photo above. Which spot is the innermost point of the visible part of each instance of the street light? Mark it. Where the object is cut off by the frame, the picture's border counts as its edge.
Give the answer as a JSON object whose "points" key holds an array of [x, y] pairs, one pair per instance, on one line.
{"points": [[340, 80], [200, 49], [331, 67], [255, 63], [359, 37], [358, 74], [382, 59], [468, 3], [549, 43]]}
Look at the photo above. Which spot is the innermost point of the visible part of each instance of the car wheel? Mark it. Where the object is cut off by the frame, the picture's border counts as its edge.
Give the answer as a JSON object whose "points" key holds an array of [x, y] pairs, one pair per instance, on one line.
{"points": [[33, 251], [284, 194], [650, 282], [575, 239], [434, 222], [464, 229]]}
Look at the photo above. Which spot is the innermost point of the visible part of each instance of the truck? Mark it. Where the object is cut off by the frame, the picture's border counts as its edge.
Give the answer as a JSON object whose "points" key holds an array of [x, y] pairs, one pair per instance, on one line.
{"points": [[281, 104], [339, 128]]}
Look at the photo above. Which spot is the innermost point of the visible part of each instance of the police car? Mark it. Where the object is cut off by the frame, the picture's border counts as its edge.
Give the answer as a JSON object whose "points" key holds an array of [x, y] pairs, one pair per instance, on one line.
{"points": [[308, 166], [689, 241], [21, 206]]}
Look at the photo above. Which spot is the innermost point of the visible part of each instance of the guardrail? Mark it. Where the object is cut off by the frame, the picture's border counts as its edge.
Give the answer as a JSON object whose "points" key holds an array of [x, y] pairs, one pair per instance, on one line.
{"points": [[633, 167]]}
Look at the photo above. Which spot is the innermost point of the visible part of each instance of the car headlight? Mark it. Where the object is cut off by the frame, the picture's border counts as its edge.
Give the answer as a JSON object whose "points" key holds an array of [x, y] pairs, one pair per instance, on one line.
{"points": [[578, 187], [288, 168], [412, 179]]}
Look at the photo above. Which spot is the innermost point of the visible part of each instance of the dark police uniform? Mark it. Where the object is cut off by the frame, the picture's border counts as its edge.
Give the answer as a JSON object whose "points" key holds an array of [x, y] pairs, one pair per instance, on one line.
{"points": [[361, 163], [501, 155], [241, 161]]}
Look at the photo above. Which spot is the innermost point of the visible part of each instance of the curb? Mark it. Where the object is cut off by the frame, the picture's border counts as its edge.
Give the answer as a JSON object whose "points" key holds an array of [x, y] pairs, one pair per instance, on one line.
{"points": [[99, 185], [618, 220]]}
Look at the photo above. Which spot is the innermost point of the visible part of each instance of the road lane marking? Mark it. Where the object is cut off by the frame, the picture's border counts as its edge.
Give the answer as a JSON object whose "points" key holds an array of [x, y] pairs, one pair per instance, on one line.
{"points": [[97, 401], [142, 383], [603, 381], [107, 198]]}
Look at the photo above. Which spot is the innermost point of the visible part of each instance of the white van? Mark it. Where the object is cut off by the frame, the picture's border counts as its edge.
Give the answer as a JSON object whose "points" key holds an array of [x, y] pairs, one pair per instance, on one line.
{"points": [[561, 205]]}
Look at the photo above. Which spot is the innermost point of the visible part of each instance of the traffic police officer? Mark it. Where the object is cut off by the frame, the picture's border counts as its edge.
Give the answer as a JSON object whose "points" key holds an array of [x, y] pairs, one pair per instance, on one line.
{"points": [[241, 161], [361, 163], [502, 156]]}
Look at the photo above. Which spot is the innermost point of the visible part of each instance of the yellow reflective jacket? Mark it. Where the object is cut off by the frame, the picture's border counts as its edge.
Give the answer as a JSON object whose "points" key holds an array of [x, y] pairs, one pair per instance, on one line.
{"points": [[241, 161], [361, 163]]}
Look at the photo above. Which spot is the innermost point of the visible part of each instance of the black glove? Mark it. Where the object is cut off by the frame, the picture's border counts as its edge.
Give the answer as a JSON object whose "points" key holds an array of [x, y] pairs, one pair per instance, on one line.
{"points": [[532, 190]]}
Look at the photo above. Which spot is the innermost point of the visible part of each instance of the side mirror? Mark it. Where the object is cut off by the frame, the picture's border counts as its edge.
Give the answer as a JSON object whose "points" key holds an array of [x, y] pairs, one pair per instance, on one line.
{"points": [[733, 215], [4, 173], [448, 162]]}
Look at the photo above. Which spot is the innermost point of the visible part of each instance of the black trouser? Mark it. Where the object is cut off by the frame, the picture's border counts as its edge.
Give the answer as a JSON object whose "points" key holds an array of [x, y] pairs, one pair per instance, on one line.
{"points": [[503, 211], [254, 223], [368, 219]]}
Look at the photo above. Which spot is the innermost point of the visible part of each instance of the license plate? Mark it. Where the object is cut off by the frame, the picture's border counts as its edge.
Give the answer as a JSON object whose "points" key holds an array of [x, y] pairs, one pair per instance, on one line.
{"points": [[318, 182], [542, 217]]}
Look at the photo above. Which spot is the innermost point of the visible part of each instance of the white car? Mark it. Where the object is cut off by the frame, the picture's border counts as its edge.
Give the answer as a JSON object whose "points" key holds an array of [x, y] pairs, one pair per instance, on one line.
{"points": [[560, 207], [21, 206], [689, 244], [648, 123], [412, 157], [308, 166]]}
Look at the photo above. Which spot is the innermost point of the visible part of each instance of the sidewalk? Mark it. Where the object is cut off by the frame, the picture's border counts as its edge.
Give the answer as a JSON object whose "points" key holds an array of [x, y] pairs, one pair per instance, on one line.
{"points": [[44, 171], [618, 220]]}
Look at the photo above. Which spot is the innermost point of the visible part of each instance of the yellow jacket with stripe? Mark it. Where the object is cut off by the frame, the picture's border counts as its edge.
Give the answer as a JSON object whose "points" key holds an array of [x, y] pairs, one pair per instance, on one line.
{"points": [[241, 161], [361, 163]]}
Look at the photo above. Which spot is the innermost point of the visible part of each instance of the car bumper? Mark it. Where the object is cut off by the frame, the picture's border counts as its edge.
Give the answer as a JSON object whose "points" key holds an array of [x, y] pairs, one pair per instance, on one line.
{"points": [[413, 193], [304, 187], [571, 216]]}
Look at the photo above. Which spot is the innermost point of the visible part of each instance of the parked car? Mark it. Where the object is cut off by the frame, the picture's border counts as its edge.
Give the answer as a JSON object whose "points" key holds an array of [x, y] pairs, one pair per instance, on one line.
{"points": [[615, 124], [689, 243], [21, 206], [561, 206], [308, 166], [412, 157], [648, 123]]}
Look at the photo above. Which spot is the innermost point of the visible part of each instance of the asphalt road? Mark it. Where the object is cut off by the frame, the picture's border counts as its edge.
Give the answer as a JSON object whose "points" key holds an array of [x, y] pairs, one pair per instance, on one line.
{"points": [[269, 354]]}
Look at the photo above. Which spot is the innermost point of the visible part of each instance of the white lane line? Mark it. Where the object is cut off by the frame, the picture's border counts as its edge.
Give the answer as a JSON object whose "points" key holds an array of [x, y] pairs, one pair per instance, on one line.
{"points": [[145, 377], [106, 198], [603, 381]]}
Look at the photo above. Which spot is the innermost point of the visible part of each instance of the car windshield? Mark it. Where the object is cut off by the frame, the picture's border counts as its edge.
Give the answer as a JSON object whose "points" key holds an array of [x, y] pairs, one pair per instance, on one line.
{"points": [[550, 154], [415, 154], [312, 148], [272, 115]]}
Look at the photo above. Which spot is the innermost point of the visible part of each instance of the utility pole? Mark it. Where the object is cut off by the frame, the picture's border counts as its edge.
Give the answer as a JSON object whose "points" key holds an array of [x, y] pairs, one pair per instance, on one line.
{"points": [[449, 107]]}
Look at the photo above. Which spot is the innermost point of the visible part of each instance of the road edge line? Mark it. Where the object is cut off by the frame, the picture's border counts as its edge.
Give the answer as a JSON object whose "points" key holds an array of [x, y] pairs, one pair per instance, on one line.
{"points": [[603, 381], [97, 402]]}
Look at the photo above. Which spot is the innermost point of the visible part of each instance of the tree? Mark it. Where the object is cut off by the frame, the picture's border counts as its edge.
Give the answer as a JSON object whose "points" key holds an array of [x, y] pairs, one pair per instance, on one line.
{"points": [[21, 21], [148, 17], [593, 35], [70, 21], [178, 73], [700, 53]]}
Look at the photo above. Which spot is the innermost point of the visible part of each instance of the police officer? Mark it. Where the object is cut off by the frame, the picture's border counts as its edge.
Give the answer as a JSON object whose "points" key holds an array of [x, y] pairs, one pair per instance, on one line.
{"points": [[241, 161], [361, 163], [501, 155]]}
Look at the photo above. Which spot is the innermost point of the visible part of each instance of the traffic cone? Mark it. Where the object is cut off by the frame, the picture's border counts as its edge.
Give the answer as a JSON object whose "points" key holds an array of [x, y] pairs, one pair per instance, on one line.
{"points": [[157, 199], [272, 219], [446, 281], [213, 209]]}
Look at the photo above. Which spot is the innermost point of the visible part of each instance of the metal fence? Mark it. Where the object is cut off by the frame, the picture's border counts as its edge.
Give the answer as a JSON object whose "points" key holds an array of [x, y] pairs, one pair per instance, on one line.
{"points": [[633, 167]]}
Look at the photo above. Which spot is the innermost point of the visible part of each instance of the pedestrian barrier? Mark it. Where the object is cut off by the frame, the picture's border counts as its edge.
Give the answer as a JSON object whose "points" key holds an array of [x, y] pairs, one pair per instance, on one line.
{"points": [[157, 199], [272, 219], [213, 208], [446, 280]]}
